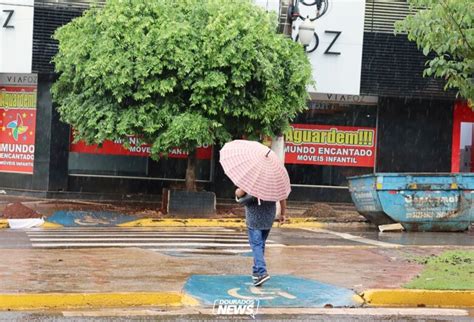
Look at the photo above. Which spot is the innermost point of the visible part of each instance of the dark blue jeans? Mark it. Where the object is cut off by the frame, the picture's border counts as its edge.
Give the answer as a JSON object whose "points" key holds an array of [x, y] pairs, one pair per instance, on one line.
{"points": [[257, 240]]}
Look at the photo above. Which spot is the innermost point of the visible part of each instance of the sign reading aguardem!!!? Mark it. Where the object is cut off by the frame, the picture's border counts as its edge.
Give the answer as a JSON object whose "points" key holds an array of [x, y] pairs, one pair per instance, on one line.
{"points": [[17, 122], [330, 145]]}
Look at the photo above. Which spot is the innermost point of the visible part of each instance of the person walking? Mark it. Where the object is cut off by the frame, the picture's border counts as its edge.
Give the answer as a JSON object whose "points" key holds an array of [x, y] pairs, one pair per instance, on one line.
{"points": [[259, 218]]}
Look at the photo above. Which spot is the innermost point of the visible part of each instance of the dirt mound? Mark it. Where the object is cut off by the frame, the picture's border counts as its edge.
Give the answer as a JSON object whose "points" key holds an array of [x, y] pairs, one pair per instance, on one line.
{"points": [[319, 210], [330, 213], [19, 211]]}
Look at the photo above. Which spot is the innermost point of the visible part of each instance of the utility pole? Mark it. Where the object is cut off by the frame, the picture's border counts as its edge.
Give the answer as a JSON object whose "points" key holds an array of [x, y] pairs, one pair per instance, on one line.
{"points": [[285, 22], [278, 142], [285, 27]]}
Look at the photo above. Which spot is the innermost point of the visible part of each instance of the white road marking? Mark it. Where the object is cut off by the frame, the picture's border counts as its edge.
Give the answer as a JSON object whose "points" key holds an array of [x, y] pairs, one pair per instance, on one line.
{"points": [[200, 250], [105, 245], [355, 238], [46, 239], [178, 240], [157, 235], [397, 313], [138, 229]]}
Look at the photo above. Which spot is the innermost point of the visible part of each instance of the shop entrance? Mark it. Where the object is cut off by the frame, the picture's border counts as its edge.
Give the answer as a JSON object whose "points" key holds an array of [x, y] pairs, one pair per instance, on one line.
{"points": [[462, 159]]}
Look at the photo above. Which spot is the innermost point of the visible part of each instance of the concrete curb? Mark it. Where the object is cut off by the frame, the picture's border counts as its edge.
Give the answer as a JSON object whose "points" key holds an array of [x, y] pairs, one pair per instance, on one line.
{"points": [[51, 225], [418, 298], [206, 222], [72, 301], [225, 222], [203, 222], [93, 300]]}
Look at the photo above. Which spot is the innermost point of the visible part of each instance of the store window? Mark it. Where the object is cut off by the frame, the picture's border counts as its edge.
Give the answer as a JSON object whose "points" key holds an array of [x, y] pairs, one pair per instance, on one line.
{"points": [[334, 139], [113, 159]]}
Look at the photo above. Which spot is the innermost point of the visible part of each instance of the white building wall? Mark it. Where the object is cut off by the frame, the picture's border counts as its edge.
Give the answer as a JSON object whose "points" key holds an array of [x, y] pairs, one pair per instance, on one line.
{"points": [[16, 36]]}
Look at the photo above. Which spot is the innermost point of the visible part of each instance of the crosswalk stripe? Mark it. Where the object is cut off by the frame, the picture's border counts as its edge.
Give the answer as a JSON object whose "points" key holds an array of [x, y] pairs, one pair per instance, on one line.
{"points": [[137, 239], [200, 250], [139, 235], [169, 241], [141, 229], [104, 245]]}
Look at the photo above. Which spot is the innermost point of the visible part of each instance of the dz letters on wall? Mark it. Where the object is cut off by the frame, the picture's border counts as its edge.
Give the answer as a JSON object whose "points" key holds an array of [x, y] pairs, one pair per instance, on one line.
{"points": [[336, 57], [16, 36], [6, 19]]}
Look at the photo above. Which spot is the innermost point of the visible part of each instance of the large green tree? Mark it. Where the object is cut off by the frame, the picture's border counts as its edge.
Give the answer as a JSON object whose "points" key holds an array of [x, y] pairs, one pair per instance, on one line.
{"points": [[178, 74], [445, 28]]}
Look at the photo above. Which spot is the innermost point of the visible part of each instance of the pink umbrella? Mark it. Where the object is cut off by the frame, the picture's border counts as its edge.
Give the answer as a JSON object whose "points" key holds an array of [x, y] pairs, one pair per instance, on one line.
{"points": [[256, 169]]}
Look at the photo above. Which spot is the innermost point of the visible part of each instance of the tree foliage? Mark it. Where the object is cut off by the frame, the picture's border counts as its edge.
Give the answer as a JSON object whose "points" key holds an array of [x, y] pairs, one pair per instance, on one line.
{"points": [[178, 73], [445, 28]]}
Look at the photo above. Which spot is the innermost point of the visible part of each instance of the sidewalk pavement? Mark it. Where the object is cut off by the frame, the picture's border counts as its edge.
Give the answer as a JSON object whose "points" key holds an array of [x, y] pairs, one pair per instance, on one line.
{"points": [[322, 212], [228, 213]]}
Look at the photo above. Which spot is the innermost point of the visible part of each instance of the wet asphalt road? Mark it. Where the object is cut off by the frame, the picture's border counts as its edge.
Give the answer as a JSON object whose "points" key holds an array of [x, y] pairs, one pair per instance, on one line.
{"points": [[333, 237], [341, 236]]}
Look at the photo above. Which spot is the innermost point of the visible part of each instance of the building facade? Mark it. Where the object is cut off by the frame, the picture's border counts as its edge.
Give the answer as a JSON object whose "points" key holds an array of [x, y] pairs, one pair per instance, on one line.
{"points": [[396, 121]]}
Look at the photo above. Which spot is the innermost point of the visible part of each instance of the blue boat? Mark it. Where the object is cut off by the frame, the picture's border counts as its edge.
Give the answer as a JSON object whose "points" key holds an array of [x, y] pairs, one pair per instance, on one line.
{"points": [[418, 201]]}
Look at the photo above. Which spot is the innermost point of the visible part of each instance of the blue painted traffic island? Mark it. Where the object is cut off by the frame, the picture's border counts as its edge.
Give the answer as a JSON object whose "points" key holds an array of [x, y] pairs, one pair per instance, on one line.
{"points": [[279, 291], [88, 218]]}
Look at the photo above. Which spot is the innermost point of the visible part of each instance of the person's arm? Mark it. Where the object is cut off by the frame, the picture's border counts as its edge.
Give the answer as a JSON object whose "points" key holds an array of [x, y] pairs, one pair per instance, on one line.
{"points": [[282, 217], [242, 197]]}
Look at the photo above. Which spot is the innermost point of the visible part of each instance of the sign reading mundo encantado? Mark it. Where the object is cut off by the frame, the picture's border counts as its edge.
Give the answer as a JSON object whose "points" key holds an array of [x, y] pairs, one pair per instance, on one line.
{"points": [[17, 122], [330, 145]]}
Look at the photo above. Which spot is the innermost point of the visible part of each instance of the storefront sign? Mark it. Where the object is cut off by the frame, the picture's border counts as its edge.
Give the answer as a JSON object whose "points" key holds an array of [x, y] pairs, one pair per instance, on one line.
{"points": [[330, 145], [135, 149], [17, 122], [16, 36], [344, 99], [339, 31], [462, 138]]}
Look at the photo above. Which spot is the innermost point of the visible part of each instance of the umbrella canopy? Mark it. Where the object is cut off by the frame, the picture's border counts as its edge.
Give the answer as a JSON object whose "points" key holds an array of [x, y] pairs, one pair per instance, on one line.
{"points": [[256, 169]]}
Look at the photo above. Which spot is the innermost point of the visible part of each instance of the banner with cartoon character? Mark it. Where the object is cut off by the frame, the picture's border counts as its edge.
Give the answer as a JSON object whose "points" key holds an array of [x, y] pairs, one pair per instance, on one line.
{"points": [[17, 122]]}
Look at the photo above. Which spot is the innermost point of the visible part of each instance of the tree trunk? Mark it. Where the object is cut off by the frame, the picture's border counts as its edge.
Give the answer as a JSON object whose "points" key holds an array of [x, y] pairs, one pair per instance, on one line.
{"points": [[191, 171], [278, 146]]}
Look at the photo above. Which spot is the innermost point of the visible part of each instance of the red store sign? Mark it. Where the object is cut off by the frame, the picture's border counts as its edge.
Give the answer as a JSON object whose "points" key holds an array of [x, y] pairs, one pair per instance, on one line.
{"points": [[330, 145], [135, 149], [17, 122]]}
